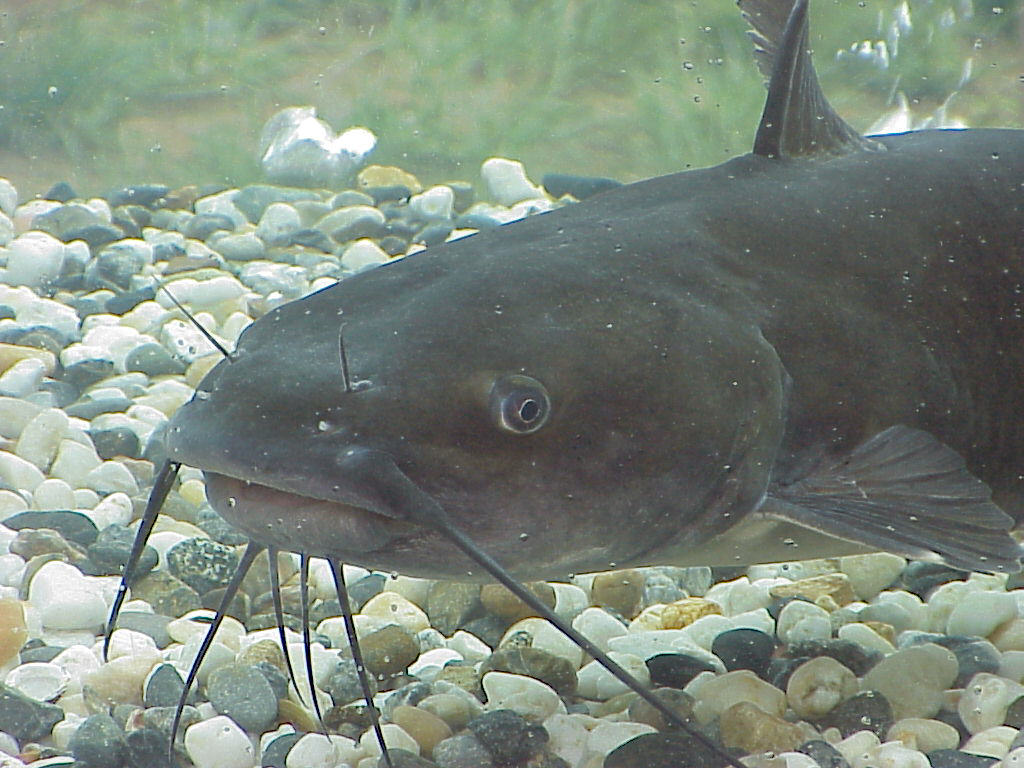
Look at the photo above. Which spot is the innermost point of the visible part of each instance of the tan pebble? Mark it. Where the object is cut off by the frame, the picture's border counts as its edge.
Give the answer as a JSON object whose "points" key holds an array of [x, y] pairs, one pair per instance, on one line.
{"points": [[263, 650], [200, 367], [120, 681], [290, 712], [622, 591], [817, 686], [13, 630], [502, 603], [188, 530], [425, 727], [391, 605], [193, 491], [388, 176], [463, 675], [834, 585], [721, 692], [15, 353], [454, 709], [389, 650], [923, 734], [884, 630], [1009, 636], [747, 727], [684, 612]]}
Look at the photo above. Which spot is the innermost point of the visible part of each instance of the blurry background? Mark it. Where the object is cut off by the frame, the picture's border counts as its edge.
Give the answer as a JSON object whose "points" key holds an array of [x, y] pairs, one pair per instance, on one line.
{"points": [[101, 93]]}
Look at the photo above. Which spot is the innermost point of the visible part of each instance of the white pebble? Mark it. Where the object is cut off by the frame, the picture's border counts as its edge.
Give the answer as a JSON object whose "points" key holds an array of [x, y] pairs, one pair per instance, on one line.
{"points": [[433, 204], [981, 614], [398, 610], [18, 473], [598, 626], [892, 754], [219, 743], [394, 736], [506, 181], [985, 699], [546, 638], [11, 503], [858, 745], [567, 737], [15, 414], [992, 742], [865, 636], [872, 572], [314, 750], [570, 600], [53, 494], [597, 683], [40, 438], [222, 203], [74, 462], [1014, 759], [22, 378], [469, 646], [66, 599], [8, 197], [35, 259], [111, 477], [363, 253], [800, 620], [431, 662], [529, 697], [277, 224], [38, 680], [115, 508], [12, 570]]}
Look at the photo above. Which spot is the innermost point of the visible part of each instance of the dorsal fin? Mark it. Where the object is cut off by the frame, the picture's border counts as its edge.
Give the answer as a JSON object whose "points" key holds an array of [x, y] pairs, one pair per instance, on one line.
{"points": [[798, 120]]}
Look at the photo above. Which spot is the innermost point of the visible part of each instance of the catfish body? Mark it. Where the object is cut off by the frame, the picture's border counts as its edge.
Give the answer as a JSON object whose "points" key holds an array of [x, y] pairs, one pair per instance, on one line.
{"points": [[696, 342]]}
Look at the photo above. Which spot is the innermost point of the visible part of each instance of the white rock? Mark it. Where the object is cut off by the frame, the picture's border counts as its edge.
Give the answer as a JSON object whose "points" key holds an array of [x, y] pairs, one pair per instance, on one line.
{"points": [[61, 733], [597, 683], [1013, 759], [546, 637], [194, 624], [872, 572], [15, 414], [858, 745], [394, 736], [363, 253], [801, 620], [469, 646], [66, 599], [567, 737], [865, 636], [42, 681], [981, 614], [529, 697], [32, 310], [111, 477], [35, 259], [719, 693], [40, 438], [12, 570], [115, 508], [53, 494], [277, 224], [18, 473], [434, 204], [431, 662], [185, 341], [314, 750], [222, 203], [100, 207], [892, 755], [993, 742], [219, 743], [570, 600], [598, 626], [506, 181], [8, 197], [985, 699], [704, 630], [74, 462], [397, 609], [85, 498], [127, 642], [22, 378], [651, 642], [1011, 666], [161, 541], [11, 503], [605, 737]]}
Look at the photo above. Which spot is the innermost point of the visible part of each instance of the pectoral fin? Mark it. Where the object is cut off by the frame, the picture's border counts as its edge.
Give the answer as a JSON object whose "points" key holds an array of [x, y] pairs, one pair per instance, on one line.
{"points": [[903, 491]]}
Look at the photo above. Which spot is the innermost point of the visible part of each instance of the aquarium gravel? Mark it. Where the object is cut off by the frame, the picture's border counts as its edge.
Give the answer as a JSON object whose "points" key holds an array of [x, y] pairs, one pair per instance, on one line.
{"points": [[856, 661]]}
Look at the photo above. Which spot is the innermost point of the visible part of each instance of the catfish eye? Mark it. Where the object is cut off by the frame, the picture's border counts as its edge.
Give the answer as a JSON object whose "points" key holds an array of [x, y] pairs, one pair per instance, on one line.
{"points": [[519, 404]]}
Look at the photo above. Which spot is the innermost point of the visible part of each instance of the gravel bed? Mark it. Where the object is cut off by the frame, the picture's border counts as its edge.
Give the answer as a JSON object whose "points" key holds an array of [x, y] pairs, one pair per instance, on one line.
{"points": [[856, 661]]}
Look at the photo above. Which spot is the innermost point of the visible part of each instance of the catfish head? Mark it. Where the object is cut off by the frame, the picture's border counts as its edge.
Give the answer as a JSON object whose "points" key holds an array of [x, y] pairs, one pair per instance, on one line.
{"points": [[564, 409]]}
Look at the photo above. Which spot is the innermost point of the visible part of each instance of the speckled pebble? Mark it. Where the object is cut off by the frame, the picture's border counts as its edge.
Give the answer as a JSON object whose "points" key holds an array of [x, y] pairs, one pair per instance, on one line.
{"points": [[244, 694], [203, 564], [99, 743]]}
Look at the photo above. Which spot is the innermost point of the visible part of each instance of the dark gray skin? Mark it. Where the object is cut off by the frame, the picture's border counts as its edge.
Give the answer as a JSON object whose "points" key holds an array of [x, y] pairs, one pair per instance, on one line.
{"points": [[704, 354], [663, 319]]}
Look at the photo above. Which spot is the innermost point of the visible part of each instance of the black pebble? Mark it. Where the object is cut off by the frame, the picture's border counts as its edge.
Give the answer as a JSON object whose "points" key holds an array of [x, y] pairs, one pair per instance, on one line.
{"points": [[824, 754], [508, 736], [276, 753], [146, 195], [361, 591], [675, 670], [388, 194], [62, 192], [111, 549], [954, 758], [99, 743], [857, 659], [580, 187], [147, 747], [868, 710], [662, 750], [87, 372], [73, 526], [163, 687], [921, 577], [128, 300], [433, 234], [116, 441], [744, 648], [95, 235], [973, 654], [780, 670]]}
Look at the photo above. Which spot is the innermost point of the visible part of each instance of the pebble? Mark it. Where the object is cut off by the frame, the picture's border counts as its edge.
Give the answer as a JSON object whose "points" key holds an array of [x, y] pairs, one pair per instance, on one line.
{"points": [[981, 614], [244, 694], [913, 679], [25, 718], [597, 683], [65, 599], [99, 743], [818, 685], [525, 695], [219, 743], [38, 680], [506, 181]]}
